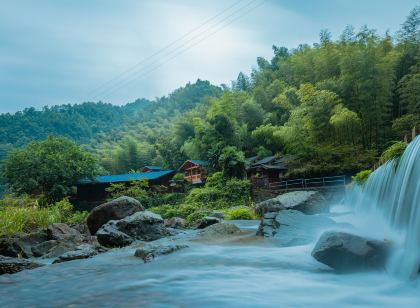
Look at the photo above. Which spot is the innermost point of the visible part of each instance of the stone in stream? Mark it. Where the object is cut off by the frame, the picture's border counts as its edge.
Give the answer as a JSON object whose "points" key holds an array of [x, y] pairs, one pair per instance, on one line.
{"points": [[150, 251], [113, 210], [216, 214], [83, 251], [308, 202], [347, 252], [175, 222], [144, 226], [20, 244], [292, 228], [207, 221], [219, 230], [10, 265]]}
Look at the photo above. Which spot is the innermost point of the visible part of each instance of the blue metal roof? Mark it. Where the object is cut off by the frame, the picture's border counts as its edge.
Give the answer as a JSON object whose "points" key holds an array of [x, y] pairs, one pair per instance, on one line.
{"points": [[153, 175], [199, 162]]}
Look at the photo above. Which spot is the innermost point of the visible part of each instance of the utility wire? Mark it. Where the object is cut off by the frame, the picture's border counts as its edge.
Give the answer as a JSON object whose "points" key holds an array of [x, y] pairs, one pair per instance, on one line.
{"points": [[158, 64], [93, 91]]}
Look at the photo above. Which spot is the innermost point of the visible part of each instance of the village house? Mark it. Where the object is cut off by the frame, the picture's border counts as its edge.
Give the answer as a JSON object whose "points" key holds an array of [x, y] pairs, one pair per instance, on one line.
{"points": [[194, 171], [266, 170], [95, 190]]}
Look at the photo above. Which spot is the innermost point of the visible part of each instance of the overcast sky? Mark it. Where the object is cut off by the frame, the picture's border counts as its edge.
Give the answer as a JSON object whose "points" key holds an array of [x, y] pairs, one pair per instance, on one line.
{"points": [[70, 51]]}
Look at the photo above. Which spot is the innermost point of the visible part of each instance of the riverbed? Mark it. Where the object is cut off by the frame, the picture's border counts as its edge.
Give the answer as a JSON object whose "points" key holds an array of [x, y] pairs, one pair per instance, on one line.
{"points": [[248, 271]]}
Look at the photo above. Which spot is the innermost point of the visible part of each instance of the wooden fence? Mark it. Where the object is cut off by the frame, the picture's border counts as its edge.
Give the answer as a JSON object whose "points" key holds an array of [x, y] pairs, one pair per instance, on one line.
{"points": [[329, 181]]}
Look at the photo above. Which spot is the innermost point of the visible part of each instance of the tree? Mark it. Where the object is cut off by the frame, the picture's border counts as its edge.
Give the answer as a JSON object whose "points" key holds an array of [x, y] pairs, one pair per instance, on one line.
{"points": [[48, 168], [232, 162]]}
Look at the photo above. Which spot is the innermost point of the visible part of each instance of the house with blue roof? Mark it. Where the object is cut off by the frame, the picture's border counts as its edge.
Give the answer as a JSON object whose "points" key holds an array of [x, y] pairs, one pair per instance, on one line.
{"points": [[95, 189]]}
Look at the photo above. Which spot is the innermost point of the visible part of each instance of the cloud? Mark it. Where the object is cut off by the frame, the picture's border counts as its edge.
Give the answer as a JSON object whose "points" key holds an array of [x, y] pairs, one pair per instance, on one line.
{"points": [[55, 52]]}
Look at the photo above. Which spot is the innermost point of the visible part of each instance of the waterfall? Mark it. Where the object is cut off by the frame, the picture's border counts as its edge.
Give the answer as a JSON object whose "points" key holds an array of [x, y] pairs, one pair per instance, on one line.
{"points": [[392, 194]]}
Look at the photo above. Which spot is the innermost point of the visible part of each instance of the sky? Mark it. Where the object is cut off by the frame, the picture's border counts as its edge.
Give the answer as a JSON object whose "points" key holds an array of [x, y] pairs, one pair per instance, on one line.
{"points": [[71, 51]]}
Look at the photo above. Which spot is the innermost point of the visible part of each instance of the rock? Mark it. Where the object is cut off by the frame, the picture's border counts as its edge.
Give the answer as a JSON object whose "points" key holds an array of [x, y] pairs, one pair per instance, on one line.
{"points": [[270, 205], [145, 226], [82, 228], [308, 202], [43, 248], [113, 210], [10, 265], [109, 236], [83, 251], [346, 252], [175, 222], [151, 251], [207, 221], [291, 227], [61, 231], [219, 230], [60, 248], [219, 215], [20, 244]]}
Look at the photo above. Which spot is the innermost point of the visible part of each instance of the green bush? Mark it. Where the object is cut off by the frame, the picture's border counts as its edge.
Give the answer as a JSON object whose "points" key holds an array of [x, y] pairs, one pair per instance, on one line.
{"points": [[24, 214], [243, 213], [193, 218], [394, 151], [361, 177]]}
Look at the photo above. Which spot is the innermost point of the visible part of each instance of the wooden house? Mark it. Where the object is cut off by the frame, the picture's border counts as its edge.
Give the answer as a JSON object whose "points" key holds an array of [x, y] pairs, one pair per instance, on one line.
{"points": [[194, 171], [95, 190], [266, 170]]}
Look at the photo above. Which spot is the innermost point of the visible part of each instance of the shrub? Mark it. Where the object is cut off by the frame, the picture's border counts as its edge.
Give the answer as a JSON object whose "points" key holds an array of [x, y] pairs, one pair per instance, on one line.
{"points": [[394, 151], [243, 213], [193, 218], [24, 214], [361, 177]]}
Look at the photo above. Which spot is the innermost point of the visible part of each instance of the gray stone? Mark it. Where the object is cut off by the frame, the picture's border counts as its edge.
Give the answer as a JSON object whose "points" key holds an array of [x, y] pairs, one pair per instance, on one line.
{"points": [[219, 230], [219, 215], [61, 231], [109, 236], [151, 251], [113, 210], [20, 244], [83, 251], [175, 222], [60, 248], [10, 265], [43, 248], [207, 221], [346, 252]]}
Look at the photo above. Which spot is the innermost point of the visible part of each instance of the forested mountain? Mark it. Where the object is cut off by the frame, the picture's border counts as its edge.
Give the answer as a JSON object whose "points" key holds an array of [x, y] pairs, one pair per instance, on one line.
{"points": [[331, 107]]}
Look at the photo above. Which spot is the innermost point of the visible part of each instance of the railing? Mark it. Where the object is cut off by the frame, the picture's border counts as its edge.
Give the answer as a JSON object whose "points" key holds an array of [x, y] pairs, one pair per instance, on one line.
{"points": [[330, 181]]}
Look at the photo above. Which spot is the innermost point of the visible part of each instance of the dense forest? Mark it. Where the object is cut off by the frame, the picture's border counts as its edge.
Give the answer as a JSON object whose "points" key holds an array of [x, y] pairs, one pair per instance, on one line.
{"points": [[332, 107]]}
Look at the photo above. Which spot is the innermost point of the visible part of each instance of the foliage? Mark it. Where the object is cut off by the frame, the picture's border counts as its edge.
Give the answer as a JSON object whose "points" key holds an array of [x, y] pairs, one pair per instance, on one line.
{"points": [[242, 213], [394, 151], [24, 214], [49, 168], [361, 177], [232, 162]]}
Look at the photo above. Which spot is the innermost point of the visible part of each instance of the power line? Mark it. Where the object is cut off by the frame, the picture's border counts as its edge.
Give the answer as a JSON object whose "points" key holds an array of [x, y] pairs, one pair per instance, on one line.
{"points": [[158, 64], [163, 49]]}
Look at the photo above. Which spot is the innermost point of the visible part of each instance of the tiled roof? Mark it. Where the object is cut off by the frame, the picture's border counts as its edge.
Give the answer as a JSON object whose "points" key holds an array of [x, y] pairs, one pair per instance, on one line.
{"points": [[153, 175], [153, 167], [199, 162]]}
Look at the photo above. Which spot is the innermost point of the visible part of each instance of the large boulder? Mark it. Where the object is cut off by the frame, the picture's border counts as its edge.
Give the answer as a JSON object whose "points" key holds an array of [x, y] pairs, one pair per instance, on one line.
{"points": [[150, 251], [113, 210], [109, 235], [175, 222], [308, 202], [145, 226], [347, 252], [292, 228], [10, 265], [61, 231], [20, 244]]}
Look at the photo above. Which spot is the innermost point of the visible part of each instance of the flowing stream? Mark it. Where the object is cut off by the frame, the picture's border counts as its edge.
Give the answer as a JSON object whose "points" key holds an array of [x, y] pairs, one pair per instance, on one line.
{"points": [[249, 271]]}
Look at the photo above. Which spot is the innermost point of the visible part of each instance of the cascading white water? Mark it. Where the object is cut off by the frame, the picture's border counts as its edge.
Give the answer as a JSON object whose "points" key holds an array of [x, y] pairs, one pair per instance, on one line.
{"points": [[392, 193]]}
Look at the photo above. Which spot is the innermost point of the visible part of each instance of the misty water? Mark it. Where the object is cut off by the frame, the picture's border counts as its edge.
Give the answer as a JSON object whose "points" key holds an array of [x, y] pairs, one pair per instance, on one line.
{"points": [[251, 271]]}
